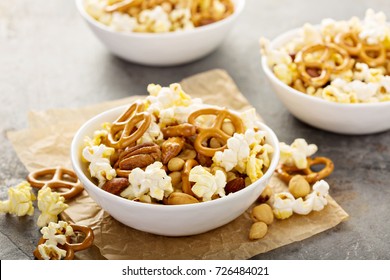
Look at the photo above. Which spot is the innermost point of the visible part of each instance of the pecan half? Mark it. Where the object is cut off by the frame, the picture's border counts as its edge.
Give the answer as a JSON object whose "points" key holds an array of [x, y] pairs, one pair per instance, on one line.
{"points": [[171, 148], [116, 185], [235, 185], [138, 156]]}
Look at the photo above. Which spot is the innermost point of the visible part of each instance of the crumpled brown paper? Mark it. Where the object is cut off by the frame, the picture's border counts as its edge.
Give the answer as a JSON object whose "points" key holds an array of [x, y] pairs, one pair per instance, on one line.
{"points": [[45, 145]]}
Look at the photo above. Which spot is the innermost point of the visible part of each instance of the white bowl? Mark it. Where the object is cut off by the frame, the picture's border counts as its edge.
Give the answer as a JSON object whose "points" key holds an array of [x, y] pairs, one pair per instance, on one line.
{"points": [[362, 118], [169, 220], [163, 49]]}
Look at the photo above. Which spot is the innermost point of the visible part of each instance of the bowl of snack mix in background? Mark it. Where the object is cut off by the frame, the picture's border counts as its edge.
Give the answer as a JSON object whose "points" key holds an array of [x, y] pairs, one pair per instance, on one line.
{"points": [[173, 166], [334, 76], [161, 32]]}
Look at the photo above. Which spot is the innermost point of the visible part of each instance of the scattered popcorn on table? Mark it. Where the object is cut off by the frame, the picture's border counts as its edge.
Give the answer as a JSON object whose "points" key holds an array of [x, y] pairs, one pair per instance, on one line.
{"points": [[296, 154], [153, 181], [51, 204], [19, 201], [54, 233], [283, 205], [206, 184]]}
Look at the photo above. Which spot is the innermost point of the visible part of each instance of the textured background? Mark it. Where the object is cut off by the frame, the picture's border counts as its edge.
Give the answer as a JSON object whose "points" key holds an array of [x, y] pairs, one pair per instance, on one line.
{"points": [[49, 59]]}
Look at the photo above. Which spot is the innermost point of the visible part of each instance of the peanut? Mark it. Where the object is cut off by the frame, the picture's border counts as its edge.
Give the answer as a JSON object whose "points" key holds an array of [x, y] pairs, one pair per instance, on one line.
{"points": [[263, 213], [298, 186], [175, 178], [258, 230], [175, 164], [228, 128]]}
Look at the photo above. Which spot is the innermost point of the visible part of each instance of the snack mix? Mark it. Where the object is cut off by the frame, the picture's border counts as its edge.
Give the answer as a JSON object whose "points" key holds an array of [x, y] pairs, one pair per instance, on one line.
{"points": [[157, 16], [339, 61], [307, 191], [173, 149]]}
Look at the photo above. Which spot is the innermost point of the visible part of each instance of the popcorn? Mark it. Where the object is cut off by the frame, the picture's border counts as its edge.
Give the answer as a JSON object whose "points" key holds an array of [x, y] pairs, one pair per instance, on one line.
{"points": [[54, 233], [259, 159], [50, 204], [19, 201], [296, 153], [374, 27], [153, 181], [206, 184], [51, 252], [238, 153], [152, 135], [315, 201], [283, 205], [319, 194], [156, 21], [100, 166]]}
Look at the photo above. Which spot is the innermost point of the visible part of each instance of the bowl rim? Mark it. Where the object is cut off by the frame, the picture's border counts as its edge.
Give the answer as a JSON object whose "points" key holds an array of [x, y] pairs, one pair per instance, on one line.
{"points": [[238, 8], [80, 134], [270, 74]]}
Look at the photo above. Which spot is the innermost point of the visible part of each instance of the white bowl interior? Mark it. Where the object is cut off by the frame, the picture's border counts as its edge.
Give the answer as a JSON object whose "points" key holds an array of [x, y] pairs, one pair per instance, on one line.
{"points": [[172, 220]]}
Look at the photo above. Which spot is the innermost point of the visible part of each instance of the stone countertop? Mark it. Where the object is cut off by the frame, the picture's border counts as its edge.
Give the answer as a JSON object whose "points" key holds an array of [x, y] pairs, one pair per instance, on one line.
{"points": [[49, 59]]}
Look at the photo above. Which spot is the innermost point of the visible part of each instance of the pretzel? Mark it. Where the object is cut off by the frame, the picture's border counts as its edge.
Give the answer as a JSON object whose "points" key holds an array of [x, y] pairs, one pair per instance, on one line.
{"points": [[372, 55], [38, 179], [287, 172], [215, 131], [317, 72], [180, 130], [124, 132], [69, 247], [186, 185]]}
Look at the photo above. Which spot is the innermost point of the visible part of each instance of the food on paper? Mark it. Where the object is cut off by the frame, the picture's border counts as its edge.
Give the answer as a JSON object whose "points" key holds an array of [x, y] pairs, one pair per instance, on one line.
{"points": [[263, 213], [19, 201], [51, 204], [295, 160], [283, 205], [62, 180], [258, 230], [157, 16], [338, 61], [193, 152], [298, 186], [59, 241]]}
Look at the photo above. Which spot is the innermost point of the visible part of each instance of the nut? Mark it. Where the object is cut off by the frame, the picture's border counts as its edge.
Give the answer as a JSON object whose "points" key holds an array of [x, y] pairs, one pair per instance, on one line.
{"points": [[263, 213], [171, 148], [175, 178], [247, 181], [214, 143], [228, 128], [258, 230], [298, 186], [235, 185], [177, 198], [265, 195], [175, 164], [204, 160], [116, 185], [187, 154], [230, 176], [138, 156]]}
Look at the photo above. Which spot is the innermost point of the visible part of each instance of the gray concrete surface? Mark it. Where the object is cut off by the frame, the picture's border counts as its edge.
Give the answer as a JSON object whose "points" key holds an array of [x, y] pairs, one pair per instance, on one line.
{"points": [[49, 59]]}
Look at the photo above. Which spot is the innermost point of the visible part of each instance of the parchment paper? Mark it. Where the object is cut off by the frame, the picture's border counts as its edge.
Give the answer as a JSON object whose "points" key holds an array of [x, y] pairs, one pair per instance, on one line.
{"points": [[45, 145]]}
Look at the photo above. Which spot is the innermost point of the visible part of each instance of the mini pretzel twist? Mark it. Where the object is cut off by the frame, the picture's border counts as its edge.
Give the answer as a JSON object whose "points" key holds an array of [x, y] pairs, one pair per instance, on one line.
{"points": [[287, 172], [316, 72], [372, 55], [69, 247], [215, 131], [38, 179], [124, 132]]}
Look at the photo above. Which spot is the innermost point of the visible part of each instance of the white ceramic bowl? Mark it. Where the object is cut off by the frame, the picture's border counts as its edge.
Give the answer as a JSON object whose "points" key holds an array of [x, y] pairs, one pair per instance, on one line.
{"points": [[364, 118], [164, 49], [169, 220]]}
